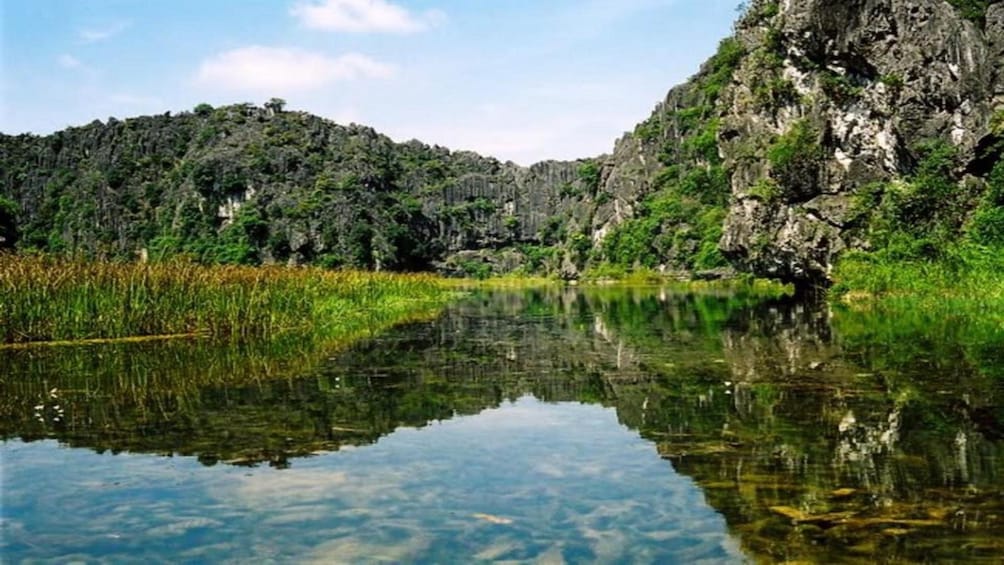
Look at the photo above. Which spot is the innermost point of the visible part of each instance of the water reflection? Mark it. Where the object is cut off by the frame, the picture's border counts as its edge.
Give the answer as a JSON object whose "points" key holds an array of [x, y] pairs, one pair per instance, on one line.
{"points": [[821, 435], [550, 483]]}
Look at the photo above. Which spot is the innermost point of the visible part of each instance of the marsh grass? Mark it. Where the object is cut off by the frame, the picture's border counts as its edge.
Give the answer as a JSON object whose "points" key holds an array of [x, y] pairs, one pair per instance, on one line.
{"points": [[912, 307], [46, 299], [743, 286], [504, 282], [967, 280]]}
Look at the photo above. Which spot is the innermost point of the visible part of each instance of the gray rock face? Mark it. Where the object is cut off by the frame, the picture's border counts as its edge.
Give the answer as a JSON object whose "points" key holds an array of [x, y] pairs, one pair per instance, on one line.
{"points": [[874, 79], [521, 200], [995, 42]]}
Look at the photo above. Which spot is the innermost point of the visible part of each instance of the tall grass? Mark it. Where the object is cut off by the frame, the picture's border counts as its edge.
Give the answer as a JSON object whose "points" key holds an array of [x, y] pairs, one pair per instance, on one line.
{"points": [[966, 283], [44, 298], [970, 273]]}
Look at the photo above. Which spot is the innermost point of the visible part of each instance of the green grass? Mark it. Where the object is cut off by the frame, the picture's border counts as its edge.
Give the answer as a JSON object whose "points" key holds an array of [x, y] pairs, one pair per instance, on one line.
{"points": [[939, 317], [512, 281], [967, 281], [741, 287], [46, 299]]}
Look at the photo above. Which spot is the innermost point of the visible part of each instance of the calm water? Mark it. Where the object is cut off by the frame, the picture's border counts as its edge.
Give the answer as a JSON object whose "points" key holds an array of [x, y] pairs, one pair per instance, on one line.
{"points": [[538, 426]]}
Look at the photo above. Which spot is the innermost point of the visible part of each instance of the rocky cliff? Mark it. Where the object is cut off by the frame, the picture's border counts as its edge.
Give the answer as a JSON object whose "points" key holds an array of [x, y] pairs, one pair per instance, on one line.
{"points": [[842, 109], [833, 126], [818, 128]]}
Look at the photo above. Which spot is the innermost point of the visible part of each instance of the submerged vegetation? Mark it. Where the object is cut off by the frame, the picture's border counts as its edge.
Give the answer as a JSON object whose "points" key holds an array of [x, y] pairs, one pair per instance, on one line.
{"points": [[819, 434], [55, 299]]}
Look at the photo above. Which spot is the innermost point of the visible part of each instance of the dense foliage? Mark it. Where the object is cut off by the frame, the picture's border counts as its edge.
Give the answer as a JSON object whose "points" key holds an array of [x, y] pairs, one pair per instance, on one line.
{"points": [[975, 10], [932, 237]]}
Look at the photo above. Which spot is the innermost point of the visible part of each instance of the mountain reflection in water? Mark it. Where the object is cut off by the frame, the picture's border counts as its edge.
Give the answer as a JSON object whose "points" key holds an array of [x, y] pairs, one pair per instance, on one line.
{"points": [[820, 435]]}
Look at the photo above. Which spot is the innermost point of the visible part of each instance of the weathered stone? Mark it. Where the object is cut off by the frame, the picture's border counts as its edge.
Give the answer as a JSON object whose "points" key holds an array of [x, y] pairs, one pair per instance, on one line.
{"points": [[913, 70]]}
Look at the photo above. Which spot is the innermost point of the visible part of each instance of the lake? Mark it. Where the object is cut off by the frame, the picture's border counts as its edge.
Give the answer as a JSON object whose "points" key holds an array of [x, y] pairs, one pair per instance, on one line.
{"points": [[544, 426]]}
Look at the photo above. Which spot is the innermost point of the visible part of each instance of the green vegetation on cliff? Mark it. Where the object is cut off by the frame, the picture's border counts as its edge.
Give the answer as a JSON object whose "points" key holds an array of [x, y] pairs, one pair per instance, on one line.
{"points": [[934, 241], [680, 222], [247, 185]]}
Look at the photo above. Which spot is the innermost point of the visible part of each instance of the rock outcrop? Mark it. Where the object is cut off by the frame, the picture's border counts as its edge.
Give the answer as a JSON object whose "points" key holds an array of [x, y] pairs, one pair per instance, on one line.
{"points": [[869, 82]]}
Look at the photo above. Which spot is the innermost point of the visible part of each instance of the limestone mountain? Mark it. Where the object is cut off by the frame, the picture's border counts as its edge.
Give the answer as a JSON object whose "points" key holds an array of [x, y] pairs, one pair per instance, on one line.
{"points": [[245, 184], [850, 125], [819, 128]]}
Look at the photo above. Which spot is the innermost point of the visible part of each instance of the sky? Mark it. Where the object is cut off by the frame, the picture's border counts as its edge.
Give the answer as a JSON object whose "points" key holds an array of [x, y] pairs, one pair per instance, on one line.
{"points": [[520, 80]]}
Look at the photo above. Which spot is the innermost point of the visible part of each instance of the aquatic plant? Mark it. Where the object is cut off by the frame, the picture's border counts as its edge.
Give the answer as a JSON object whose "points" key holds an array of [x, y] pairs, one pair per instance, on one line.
{"points": [[46, 298], [965, 280]]}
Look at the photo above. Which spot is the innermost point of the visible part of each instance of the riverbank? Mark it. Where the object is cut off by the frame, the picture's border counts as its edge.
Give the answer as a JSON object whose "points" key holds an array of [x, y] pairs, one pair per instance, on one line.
{"points": [[744, 285], [49, 299], [921, 301], [966, 277]]}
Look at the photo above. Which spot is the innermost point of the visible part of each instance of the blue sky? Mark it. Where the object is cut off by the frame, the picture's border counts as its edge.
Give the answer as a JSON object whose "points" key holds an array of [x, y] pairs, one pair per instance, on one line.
{"points": [[524, 80]]}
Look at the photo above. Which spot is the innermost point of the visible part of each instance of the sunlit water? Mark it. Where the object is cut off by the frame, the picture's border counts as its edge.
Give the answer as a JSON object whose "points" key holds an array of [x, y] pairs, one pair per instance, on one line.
{"points": [[540, 426]]}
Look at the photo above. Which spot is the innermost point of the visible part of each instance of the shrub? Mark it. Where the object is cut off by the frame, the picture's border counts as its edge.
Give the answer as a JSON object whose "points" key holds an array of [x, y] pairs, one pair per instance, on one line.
{"points": [[589, 175], [722, 65], [987, 226], [975, 10], [649, 130], [839, 87], [476, 269], [766, 190], [203, 109], [795, 160], [8, 223], [775, 93], [703, 146], [893, 81]]}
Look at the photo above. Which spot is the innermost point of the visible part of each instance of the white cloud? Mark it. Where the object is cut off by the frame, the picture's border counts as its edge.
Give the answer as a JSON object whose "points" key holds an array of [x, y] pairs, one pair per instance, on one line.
{"points": [[68, 61], [283, 70], [91, 35], [361, 16], [76, 67]]}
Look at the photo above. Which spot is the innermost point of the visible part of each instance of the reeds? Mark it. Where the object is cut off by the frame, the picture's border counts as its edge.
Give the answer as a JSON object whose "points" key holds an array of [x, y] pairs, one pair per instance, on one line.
{"points": [[44, 299], [967, 275]]}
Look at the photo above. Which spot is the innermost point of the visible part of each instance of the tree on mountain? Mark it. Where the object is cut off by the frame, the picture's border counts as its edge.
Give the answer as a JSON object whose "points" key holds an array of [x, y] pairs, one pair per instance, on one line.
{"points": [[275, 105], [8, 223]]}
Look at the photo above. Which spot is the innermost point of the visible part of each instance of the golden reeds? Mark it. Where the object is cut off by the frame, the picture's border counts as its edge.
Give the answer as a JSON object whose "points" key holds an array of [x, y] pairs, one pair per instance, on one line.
{"points": [[45, 298]]}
